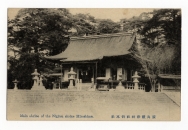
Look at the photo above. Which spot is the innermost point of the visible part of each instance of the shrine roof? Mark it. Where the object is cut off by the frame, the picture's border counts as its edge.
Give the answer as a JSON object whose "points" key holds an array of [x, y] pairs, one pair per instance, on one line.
{"points": [[96, 47]]}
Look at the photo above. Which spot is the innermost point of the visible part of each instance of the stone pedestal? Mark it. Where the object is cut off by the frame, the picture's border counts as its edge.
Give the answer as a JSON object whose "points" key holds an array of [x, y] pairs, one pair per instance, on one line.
{"points": [[120, 87], [71, 86]]}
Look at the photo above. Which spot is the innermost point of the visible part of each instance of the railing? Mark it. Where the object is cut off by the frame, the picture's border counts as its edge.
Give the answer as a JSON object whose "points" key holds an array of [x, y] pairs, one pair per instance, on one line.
{"points": [[129, 85], [116, 85], [141, 86]]}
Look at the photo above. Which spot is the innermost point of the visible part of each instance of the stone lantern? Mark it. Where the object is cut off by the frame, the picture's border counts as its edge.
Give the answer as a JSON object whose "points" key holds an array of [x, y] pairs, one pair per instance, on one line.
{"points": [[120, 87], [15, 84], [40, 81], [71, 78], [36, 79], [36, 83], [135, 80]]}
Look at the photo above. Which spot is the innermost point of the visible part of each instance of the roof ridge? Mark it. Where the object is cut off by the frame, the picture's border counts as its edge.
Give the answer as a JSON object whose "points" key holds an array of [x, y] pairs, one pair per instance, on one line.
{"points": [[101, 36]]}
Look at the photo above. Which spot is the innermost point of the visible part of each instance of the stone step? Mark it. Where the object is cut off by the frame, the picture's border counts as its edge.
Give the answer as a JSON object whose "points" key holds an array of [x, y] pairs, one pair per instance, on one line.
{"points": [[27, 96], [101, 104]]}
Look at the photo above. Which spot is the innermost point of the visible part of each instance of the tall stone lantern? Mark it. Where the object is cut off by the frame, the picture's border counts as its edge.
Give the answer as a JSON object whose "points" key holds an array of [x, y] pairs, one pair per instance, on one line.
{"points": [[36, 79], [71, 78], [135, 80], [37, 85], [15, 84]]}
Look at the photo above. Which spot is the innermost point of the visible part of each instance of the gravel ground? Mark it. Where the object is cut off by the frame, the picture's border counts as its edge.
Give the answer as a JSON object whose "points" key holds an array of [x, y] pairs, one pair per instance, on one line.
{"points": [[97, 105]]}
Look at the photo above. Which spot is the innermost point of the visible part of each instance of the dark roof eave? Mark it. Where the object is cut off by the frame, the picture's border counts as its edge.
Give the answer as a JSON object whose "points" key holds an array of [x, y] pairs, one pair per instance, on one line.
{"points": [[99, 36], [119, 55], [80, 60], [48, 58], [94, 60], [85, 61]]}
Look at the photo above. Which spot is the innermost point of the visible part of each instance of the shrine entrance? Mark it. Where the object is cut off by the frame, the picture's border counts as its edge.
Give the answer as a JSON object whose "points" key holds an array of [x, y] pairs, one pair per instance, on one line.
{"points": [[86, 74]]}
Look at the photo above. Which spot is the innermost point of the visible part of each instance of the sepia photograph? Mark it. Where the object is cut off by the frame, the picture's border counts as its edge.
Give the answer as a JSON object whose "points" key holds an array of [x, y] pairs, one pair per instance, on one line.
{"points": [[94, 64]]}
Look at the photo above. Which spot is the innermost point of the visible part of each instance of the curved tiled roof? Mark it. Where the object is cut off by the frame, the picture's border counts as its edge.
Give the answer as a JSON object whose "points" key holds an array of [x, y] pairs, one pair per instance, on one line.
{"points": [[96, 47]]}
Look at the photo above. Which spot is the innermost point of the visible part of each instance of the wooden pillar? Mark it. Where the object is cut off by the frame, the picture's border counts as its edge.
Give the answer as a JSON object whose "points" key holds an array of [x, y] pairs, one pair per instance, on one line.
{"points": [[132, 73], [77, 73], [66, 74], [61, 76], [154, 86], [108, 73], [119, 72], [96, 73], [125, 74], [161, 88], [77, 77]]}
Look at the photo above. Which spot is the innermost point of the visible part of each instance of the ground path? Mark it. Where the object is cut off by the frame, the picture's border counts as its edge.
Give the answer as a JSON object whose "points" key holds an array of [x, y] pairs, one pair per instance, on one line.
{"points": [[97, 105]]}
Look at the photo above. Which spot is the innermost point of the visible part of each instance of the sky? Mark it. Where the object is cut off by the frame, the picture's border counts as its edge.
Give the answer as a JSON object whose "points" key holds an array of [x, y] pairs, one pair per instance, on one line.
{"points": [[114, 14]]}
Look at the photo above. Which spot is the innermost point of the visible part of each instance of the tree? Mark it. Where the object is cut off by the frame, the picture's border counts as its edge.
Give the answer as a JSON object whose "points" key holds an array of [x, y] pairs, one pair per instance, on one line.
{"points": [[33, 34], [160, 44], [163, 30], [108, 26], [41, 29], [165, 22], [161, 40], [84, 24], [136, 22]]}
